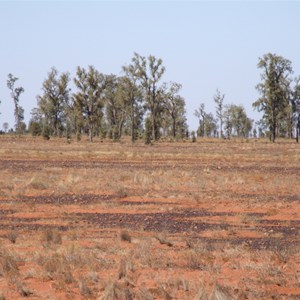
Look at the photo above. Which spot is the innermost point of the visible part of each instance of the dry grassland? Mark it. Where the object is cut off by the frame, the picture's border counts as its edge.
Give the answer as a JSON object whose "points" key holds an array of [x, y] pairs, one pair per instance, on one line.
{"points": [[206, 220]]}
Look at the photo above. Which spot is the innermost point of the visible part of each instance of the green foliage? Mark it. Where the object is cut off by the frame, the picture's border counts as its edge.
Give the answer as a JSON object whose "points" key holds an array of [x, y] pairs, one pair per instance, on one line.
{"points": [[53, 104], [35, 128], [173, 110], [201, 115], [236, 121], [89, 99], [295, 104], [15, 94], [274, 90], [116, 107], [131, 95], [148, 72], [219, 100]]}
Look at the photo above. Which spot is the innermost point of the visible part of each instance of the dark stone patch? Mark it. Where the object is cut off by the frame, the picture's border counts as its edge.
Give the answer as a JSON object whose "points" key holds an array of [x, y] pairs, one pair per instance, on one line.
{"points": [[64, 199], [33, 227], [37, 165]]}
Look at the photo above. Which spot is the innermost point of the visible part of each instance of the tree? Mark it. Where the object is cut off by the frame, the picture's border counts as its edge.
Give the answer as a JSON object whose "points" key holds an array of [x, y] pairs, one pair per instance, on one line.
{"points": [[89, 99], [174, 106], [262, 127], [132, 96], [116, 106], [219, 99], [201, 115], [210, 125], [273, 89], [237, 121], [15, 94], [149, 72], [54, 101], [295, 102], [5, 127]]}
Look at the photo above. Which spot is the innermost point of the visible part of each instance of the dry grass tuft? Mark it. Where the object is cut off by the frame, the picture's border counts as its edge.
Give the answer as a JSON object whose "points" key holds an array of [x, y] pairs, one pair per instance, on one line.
{"points": [[162, 238], [164, 293], [126, 268], [220, 293], [117, 290], [37, 184], [121, 192], [23, 290], [57, 266], [8, 264], [201, 295], [2, 297], [12, 236], [144, 294], [52, 236], [84, 288], [194, 260]]}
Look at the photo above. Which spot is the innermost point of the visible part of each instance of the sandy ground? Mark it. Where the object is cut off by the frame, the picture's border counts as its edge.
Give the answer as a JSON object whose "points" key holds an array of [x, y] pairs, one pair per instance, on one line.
{"points": [[206, 220]]}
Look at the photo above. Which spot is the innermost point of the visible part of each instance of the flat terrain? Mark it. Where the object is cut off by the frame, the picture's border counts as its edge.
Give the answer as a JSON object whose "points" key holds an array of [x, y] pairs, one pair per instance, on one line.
{"points": [[206, 220]]}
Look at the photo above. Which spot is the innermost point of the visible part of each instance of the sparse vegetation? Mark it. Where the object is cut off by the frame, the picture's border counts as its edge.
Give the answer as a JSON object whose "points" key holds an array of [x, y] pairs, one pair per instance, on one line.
{"points": [[194, 221]]}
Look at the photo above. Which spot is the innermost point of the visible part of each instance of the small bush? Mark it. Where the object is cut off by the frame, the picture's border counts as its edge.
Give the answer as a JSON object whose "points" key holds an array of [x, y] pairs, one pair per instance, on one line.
{"points": [[37, 184], [35, 128], [121, 192], [124, 235], [193, 137]]}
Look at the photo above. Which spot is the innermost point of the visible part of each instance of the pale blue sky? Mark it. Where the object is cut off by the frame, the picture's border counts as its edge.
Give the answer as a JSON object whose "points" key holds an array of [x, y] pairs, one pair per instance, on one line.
{"points": [[204, 45]]}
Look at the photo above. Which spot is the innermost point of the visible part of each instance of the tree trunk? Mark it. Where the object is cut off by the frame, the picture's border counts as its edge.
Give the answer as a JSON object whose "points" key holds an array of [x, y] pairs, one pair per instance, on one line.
{"points": [[174, 128], [298, 129], [132, 123], [121, 126], [273, 137], [153, 126], [91, 127]]}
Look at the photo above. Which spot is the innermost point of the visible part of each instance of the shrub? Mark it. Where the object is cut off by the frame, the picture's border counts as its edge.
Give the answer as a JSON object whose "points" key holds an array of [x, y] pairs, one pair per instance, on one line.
{"points": [[124, 235], [35, 128], [46, 132], [193, 137]]}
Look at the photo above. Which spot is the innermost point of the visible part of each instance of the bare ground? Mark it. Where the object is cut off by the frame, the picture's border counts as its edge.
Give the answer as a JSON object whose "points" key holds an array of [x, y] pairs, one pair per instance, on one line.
{"points": [[169, 221]]}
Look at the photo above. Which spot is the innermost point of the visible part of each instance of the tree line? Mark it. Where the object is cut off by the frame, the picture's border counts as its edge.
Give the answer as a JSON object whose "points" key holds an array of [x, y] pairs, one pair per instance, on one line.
{"points": [[141, 105]]}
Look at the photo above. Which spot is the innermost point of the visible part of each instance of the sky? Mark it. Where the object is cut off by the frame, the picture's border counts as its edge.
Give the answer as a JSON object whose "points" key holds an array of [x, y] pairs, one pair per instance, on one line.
{"points": [[204, 45]]}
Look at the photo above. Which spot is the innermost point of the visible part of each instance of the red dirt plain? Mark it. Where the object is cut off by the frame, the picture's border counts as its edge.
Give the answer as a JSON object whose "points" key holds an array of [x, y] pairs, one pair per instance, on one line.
{"points": [[206, 220]]}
